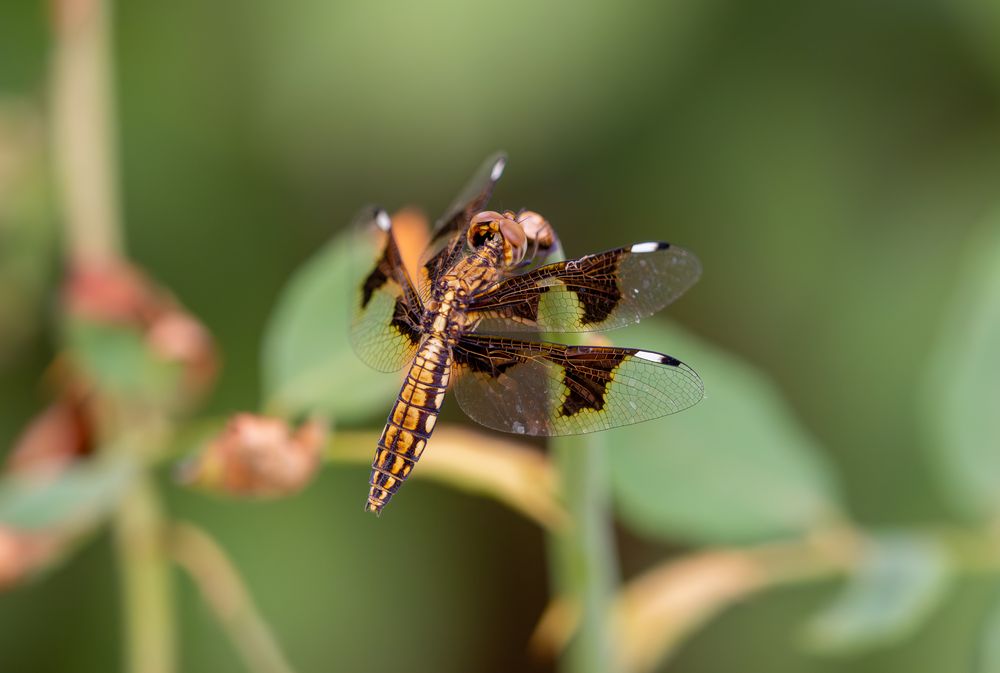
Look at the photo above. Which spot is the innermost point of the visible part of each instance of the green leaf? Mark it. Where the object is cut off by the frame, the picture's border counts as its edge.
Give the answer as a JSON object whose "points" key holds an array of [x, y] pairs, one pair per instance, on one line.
{"points": [[81, 494], [736, 467], [900, 580], [962, 391], [308, 363], [120, 362], [988, 660]]}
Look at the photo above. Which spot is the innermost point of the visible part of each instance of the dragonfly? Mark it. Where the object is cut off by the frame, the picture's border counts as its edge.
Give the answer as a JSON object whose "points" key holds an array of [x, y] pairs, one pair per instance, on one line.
{"points": [[473, 317]]}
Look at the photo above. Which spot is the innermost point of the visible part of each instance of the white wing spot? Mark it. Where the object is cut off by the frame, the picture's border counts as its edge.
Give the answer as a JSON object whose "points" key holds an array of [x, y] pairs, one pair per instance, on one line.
{"points": [[518, 427], [651, 357], [498, 169], [646, 247], [382, 220]]}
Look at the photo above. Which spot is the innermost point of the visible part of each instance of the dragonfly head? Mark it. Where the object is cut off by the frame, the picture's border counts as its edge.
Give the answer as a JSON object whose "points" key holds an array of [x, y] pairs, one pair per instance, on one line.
{"points": [[502, 229]]}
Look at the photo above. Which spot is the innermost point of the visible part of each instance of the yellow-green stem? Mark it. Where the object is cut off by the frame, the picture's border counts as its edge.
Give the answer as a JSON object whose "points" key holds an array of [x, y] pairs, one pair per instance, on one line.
{"points": [[86, 171], [147, 605], [224, 591], [582, 560], [82, 137]]}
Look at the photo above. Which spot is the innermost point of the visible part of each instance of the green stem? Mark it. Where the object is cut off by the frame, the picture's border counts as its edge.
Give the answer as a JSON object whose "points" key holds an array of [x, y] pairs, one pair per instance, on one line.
{"points": [[582, 562], [223, 590], [86, 168], [82, 123], [145, 577]]}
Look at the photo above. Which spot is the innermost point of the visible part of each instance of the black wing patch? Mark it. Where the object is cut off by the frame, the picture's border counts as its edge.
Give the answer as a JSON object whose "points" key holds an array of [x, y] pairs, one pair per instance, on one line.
{"points": [[597, 292], [448, 235], [387, 312], [552, 389]]}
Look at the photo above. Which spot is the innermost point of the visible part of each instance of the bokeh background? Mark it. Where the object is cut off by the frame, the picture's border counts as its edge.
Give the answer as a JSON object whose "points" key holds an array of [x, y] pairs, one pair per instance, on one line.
{"points": [[828, 162]]}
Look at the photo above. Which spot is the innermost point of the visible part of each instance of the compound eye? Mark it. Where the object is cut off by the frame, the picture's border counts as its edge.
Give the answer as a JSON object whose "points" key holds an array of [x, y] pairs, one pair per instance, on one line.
{"points": [[486, 217], [482, 226], [515, 243]]}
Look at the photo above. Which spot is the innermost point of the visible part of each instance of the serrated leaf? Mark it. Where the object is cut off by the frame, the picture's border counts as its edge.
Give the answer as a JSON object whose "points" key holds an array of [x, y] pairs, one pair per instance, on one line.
{"points": [[308, 363], [962, 391], [900, 580], [80, 494], [737, 466]]}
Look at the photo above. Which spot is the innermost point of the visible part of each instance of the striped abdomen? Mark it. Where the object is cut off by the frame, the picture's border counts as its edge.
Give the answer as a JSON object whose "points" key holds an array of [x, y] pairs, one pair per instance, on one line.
{"points": [[410, 423]]}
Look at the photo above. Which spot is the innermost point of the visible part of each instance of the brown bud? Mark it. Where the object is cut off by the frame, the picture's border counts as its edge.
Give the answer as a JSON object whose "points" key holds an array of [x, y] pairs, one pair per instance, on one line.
{"points": [[259, 457], [119, 294], [54, 438], [21, 553], [177, 337], [111, 292]]}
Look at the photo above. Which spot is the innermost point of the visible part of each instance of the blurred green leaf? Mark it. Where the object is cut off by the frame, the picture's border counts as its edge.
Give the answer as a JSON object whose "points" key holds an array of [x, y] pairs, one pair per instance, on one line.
{"points": [[81, 494], [989, 642], [735, 467], [120, 362], [308, 363], [27, 234], [962, 388], [900, 580], [981, 21]]}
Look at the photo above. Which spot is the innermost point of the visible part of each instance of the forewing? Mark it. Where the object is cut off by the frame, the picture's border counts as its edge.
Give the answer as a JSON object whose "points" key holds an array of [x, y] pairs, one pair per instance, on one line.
{"points": [[387, 312], [597, 292], [551, 389], [448, 235]]}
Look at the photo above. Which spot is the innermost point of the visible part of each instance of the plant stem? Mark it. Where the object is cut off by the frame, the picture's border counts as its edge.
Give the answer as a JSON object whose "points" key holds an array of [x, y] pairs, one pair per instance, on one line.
{"points": [[85, 161], [145, 573], [82, 123], [492, 465], [582, 562], [223, 590]]}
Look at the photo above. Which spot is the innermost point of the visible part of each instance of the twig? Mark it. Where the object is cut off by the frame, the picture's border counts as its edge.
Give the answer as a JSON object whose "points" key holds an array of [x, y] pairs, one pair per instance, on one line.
{"points": [[657, 611], [149, 618], [82, 120], [82, 139], [582, 558], [223, 590], [508, 471]]}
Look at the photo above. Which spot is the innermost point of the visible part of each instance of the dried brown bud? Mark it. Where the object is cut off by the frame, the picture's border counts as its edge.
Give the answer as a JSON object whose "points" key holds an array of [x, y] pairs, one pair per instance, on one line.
{"points": [[259, 457], [177, 337], [53, 439], [112, 292], [21, 554], [119, 294]]}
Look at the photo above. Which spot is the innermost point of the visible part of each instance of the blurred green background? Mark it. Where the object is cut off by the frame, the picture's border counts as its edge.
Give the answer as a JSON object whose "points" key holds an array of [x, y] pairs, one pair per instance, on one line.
{"points": [[828, 162]]}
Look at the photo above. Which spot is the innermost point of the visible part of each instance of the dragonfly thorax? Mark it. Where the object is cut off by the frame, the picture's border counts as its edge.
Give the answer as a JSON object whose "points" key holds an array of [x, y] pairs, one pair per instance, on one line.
{"points": [[445, 313]]}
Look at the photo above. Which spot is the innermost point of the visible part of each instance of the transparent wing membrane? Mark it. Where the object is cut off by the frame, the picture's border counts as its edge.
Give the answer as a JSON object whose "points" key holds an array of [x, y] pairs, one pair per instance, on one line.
{"points": [[386, 310], [553, 389], [448, 235], [597, 292]]}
